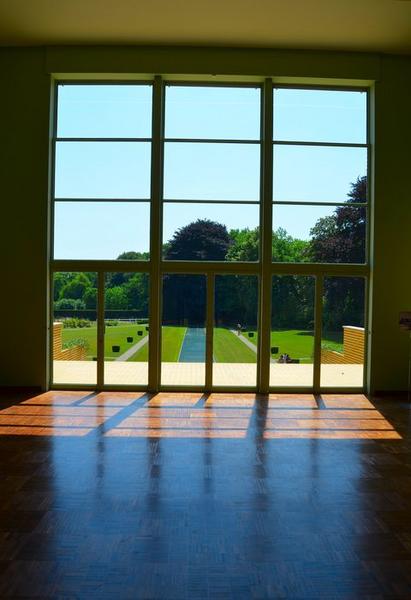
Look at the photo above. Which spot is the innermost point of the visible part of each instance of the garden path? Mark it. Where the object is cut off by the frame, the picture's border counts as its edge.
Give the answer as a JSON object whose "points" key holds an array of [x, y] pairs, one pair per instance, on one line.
{"points": [[193, 346], [129, 353]]}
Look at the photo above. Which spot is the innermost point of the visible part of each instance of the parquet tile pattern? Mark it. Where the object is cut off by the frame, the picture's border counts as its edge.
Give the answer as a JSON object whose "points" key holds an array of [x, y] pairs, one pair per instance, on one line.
{"points": [[186, 496]]}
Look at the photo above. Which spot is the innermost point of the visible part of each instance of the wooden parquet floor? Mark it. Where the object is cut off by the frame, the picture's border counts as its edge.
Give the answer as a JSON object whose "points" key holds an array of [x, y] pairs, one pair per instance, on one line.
{"points": [[187, 496]]}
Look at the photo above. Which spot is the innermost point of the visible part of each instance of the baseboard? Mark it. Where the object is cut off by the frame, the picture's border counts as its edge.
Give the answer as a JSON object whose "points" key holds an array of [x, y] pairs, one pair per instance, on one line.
{"points": [[392, 393], [20, 389]]}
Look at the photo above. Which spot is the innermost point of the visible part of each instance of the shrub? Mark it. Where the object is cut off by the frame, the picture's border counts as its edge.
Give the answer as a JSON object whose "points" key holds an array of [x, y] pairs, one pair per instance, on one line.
{"points": [[111, 322], [76, 342], [69, 304], [334, 346], [74, 323]]}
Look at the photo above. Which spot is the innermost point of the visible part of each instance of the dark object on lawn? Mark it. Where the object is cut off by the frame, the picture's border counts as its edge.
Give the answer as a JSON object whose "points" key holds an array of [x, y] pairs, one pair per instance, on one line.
{"points": [[139, 333], [115, 348], [129, 339], [275, 349], [146, 327], [295, 361], [251, 334], [94, 357]]}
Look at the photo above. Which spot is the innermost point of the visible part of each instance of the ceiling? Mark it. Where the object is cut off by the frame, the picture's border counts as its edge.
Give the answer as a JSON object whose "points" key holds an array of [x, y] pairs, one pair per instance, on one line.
{"points": [[353, 25]]}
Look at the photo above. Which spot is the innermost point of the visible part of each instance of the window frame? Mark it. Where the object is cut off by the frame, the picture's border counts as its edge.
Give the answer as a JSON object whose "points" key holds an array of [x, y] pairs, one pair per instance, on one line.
{"points": [[156, 266]]}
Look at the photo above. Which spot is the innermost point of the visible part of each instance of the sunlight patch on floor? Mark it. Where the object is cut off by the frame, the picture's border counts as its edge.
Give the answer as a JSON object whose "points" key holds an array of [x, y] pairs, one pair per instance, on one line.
{"points": [[197, 415]]}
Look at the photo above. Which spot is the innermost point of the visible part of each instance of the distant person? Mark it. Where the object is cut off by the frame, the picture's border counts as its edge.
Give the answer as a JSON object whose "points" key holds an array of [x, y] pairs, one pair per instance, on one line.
{"points": [[284, 358], [239, 328]]}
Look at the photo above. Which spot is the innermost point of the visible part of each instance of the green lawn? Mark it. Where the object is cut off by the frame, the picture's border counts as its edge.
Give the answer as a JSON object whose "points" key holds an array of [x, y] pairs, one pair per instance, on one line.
{"points": [[296, 343], [141, 355], [228, 348], [171, 341], [115, 336]]}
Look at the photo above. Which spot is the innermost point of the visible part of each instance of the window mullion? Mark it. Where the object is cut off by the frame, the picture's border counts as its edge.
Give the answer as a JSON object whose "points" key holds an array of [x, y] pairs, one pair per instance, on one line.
{"points": [[264, 337], [157, 152], [210, 330], [100, 328], [318, 309]]}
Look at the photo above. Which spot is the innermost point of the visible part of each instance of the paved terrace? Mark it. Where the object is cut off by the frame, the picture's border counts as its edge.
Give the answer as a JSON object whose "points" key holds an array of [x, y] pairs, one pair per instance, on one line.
{"points": [[193, 373]]}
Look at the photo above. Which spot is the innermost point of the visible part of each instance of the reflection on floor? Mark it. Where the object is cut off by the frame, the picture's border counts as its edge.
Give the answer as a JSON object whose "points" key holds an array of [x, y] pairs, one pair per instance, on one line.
{"points": [[193, 373], [197, 415], [191, 496]]}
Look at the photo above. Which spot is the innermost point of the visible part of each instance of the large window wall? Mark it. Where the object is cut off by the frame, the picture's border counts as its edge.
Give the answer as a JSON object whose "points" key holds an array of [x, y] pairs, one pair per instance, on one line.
{"points": [[209, 236]]}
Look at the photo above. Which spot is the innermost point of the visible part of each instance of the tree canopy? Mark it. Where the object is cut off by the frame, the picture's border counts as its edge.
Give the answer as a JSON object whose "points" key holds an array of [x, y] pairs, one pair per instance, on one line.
{"points": [[340, 237], [201, 240]]}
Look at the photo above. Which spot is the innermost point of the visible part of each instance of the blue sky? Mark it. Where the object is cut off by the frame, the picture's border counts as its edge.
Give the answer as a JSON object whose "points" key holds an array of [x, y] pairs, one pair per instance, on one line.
{"points": [[119, 170]]}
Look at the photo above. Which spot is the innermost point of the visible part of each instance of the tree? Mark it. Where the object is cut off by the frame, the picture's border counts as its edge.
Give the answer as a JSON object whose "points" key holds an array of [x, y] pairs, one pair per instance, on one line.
{"points": [[244, 245], [343, 303], [90, 297], [201, 240], [340, 238], [116, 298], [236, 300], [119, 278], [76, 287], [292, 297], [184, 295], [285, 248], [292, 302], [137, 292], [131, 255], [59, 281]]}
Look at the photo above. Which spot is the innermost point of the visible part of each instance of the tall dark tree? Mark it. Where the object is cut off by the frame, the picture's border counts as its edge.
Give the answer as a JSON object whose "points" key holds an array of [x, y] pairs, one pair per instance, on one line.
{"points": [[184, 300], [340, 238], [236, 300], [292, 304], [201, 240], [184, 295]]}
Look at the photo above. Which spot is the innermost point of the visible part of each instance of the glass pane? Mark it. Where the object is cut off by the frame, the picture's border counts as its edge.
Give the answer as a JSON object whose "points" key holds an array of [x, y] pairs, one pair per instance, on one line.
{"points": [[126, 329], [235, 327], [317, 174], [292, 331], [343, 334], [101, 230], [211, 171], [212, 112], [183, 332], [211, 232], [319, 234], [95, 111], [320, 116], [75, 328], [103, 170]]}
